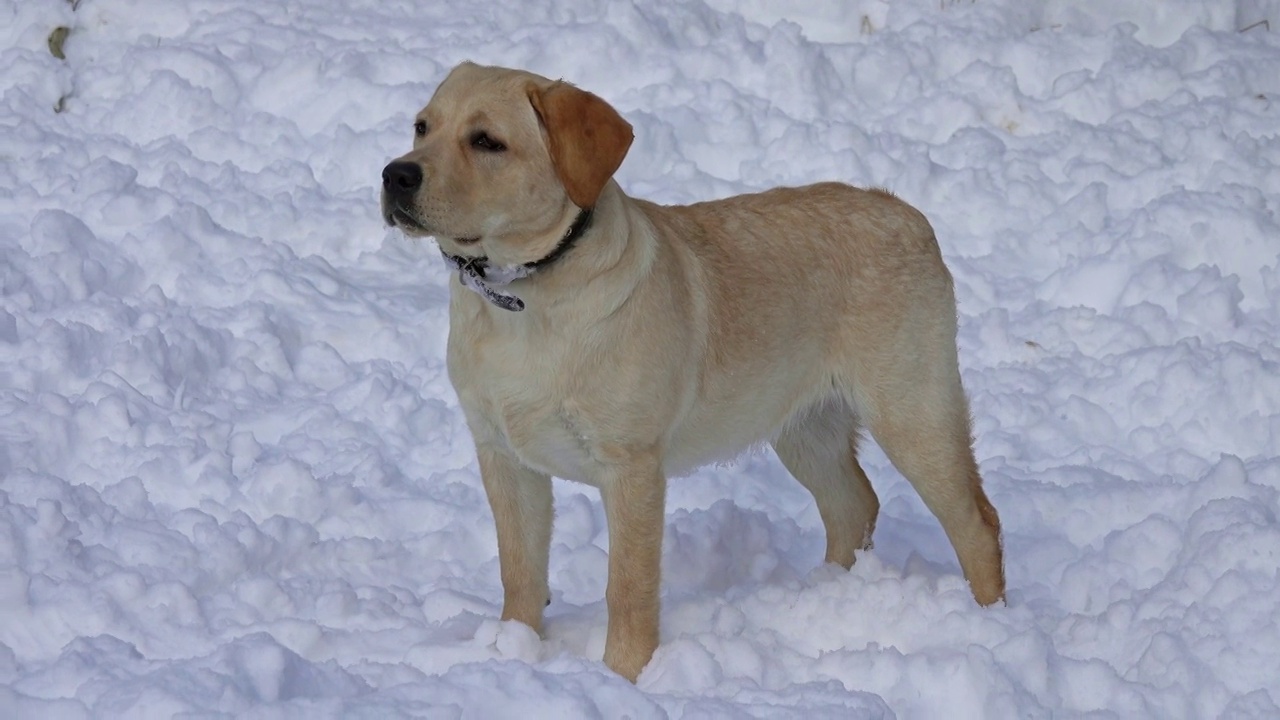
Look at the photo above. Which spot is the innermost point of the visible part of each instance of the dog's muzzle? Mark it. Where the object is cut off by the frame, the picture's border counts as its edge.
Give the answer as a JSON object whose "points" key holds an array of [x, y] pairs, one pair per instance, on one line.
{"points": [[400, 183]]}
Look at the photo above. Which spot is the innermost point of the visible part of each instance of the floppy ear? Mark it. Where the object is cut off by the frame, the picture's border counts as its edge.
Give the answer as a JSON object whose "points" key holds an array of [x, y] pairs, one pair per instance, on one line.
{"points": [[587, 138]]}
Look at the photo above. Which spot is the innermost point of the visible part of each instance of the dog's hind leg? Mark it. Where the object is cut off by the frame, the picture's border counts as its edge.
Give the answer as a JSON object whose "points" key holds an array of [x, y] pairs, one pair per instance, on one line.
{"points": [[921, 419], [819, 447]]}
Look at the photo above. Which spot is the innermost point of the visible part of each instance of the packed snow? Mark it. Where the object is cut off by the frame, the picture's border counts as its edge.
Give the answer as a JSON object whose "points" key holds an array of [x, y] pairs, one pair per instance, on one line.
{"points": [[236, 480]]}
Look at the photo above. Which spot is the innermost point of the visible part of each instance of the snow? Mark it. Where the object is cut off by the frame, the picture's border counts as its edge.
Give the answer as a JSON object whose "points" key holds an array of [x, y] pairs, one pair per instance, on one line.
{"points": [[236, 481]]}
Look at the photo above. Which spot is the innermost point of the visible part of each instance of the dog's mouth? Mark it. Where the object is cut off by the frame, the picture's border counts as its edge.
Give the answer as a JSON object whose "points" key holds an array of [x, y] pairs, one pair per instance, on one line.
{"points": [[397, 216]]}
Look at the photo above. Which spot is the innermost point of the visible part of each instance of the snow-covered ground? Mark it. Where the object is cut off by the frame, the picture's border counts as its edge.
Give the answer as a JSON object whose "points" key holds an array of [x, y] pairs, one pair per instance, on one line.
{"points": [[236, 479]]}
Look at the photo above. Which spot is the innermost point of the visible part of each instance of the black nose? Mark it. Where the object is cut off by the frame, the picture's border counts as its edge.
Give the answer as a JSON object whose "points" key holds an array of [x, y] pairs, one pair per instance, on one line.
{"points": [[401, 177]]}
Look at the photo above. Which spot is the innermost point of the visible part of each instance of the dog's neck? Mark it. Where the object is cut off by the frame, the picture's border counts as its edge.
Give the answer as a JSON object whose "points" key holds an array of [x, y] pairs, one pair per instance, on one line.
{"points": [[480, 276]]}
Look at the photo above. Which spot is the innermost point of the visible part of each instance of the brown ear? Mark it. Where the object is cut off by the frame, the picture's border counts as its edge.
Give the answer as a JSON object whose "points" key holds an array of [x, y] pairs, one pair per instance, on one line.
{"points": [[587, 138]]}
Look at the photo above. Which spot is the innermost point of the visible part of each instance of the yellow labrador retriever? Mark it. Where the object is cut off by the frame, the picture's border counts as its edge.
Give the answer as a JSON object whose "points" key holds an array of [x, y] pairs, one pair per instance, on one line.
{"points": [[615, 342]]}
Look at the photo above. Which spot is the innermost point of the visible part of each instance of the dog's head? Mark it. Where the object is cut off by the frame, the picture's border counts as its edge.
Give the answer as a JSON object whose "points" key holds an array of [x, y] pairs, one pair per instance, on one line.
{"points": [[501, 158]]}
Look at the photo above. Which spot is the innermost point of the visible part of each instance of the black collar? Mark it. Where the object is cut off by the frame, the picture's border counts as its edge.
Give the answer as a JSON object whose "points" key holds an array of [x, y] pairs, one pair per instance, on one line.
{"points": [[477, 275], [576, 231]]}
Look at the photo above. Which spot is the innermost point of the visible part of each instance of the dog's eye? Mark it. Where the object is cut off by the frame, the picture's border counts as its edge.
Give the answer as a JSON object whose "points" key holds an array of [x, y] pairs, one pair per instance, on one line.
{"points": [[420, 128], [482, 141]]}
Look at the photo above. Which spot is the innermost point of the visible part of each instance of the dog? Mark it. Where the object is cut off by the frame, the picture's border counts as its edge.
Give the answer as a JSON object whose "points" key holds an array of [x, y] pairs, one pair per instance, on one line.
{"points": [[616, 342]]}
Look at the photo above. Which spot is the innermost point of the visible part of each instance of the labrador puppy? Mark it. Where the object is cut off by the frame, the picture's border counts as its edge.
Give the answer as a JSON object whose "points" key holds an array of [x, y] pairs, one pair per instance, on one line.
{"points": [[617, 342]]}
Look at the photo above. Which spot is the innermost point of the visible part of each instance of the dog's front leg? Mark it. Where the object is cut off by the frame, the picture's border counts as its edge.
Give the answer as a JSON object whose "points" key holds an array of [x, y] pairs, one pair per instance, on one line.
{"points": [[521, 500], [634, 495]]}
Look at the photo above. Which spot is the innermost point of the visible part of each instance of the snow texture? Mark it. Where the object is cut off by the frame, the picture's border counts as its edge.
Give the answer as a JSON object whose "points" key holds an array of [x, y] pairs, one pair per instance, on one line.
{"points": [[236, 481]]}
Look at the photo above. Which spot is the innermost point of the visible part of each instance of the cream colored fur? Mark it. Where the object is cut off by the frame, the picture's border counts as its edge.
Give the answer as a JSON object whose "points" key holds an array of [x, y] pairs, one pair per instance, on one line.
{"points": [[669, 337]]}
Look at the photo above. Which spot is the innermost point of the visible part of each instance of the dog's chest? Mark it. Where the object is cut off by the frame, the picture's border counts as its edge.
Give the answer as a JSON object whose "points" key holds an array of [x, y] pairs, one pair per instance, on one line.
{"points": [[519, 396]]}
